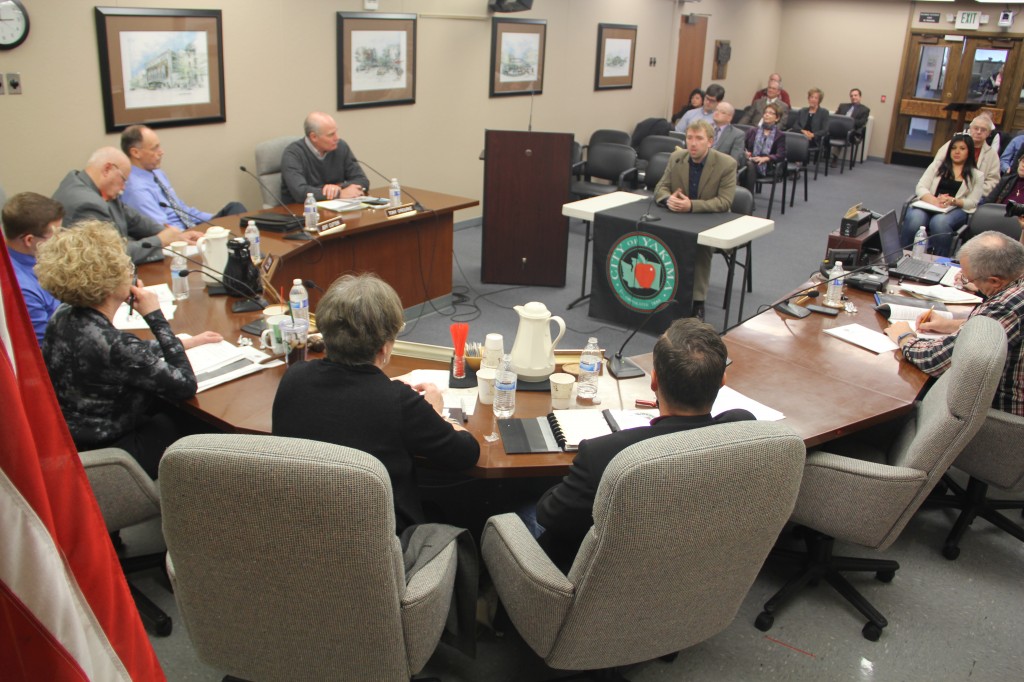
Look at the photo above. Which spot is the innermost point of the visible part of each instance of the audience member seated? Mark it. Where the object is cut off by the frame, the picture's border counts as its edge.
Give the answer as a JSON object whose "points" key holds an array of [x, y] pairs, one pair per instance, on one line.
{"points": [[320, 163], [698, 179], [689, 368], [812, 120], [714, 94], [857, 111], [765, 146], [764, 92], [347, 399], [993, 265], [728, 138], [1010, 187], [954, 186], [695, 101], [148, 187], [94, 194], [30, 219], [755, 115], [1010, 153], [985, 158], [111, 385]]}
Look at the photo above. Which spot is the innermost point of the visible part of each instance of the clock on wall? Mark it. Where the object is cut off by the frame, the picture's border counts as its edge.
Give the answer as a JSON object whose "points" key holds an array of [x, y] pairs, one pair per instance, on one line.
{"points": [[13, 24]]}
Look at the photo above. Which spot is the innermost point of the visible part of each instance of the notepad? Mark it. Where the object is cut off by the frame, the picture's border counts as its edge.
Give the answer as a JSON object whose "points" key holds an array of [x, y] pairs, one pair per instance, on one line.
{"points": [[565, 429]]}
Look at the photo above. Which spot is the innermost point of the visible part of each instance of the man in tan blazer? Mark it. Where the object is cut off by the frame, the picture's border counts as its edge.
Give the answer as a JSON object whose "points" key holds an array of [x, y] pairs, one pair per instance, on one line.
{"points": [[698, 180]]}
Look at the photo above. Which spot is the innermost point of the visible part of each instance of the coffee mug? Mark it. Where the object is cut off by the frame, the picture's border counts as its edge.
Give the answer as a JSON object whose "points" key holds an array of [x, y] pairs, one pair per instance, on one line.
{"points": [[276, 309], [485, 385], [561, 390], [294, 335], [271, 336]]}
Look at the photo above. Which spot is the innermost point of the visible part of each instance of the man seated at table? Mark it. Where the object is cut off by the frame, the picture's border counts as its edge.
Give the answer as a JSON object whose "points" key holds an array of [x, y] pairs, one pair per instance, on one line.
{"points": [[94, 193], [689, 368], [993, 264], [29, 220], [320, 163], [149, 191], [712, 96], [698, 179]]}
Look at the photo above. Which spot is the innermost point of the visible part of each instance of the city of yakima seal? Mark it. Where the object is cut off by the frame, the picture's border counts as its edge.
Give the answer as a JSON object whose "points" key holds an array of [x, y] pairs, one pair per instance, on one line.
{"points": [[642, 271]]}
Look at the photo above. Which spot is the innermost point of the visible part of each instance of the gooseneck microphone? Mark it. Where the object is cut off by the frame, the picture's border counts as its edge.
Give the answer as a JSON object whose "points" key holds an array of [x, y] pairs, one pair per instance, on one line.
{"points": [[415, 202], [299, 222], [787, 308], [237, 286], [626, 369], [648, 217]]}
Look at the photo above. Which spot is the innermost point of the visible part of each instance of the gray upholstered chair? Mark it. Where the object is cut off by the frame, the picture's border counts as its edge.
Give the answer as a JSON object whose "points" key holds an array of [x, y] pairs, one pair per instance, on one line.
{"points": [[994, 457], [127, 496], [293, 543], [682, 524], [867, 499], [268, 167]]}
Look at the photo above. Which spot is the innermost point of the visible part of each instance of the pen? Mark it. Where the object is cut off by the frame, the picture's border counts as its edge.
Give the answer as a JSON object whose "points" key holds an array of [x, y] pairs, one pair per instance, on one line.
{"points": [[131, 297], [927, 315]]}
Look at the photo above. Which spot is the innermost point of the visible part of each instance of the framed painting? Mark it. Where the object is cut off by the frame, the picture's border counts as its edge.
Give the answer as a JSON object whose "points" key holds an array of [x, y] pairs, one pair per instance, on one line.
{"points": [[160, 67], [376, 59], [517, 56], [616, 54]]}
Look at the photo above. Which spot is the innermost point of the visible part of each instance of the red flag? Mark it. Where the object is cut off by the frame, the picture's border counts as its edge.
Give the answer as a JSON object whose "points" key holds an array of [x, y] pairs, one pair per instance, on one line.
{"points": [[65, 609]]}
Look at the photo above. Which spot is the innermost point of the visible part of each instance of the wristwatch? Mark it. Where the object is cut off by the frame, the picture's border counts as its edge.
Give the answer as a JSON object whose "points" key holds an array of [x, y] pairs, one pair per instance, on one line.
{"points": [[899, 339]]}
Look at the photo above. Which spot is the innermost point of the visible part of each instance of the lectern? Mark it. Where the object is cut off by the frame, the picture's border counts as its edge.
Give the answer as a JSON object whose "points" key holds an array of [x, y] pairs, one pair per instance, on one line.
{"points": [[526, 181]]}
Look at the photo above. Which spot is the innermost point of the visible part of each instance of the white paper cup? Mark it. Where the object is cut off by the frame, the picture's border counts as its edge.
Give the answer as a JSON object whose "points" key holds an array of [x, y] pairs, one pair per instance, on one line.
{"points": [[274, 310], [494, 347], [561, 390], [485, 385]]}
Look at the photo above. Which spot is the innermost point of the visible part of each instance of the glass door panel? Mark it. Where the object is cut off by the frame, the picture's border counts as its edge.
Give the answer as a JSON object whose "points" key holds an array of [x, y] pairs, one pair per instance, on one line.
{"points": [[931, 72]]}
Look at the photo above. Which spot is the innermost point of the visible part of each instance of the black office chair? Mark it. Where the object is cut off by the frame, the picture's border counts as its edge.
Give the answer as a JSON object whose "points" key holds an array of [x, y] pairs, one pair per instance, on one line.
{"points": [[776, 175], [655, 169], [606, 136], [840, 137], [651, 145], [678, 136], [797, 159], [986, 217]]}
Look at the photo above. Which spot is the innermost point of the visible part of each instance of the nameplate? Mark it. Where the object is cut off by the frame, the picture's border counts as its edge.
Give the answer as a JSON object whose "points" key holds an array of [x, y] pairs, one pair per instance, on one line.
{"points": [[330, 226], [399, 211]]}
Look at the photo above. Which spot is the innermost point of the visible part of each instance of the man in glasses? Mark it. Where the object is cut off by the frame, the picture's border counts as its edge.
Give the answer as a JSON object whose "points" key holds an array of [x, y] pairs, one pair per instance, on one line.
{"points": [[95, 193], [714, 94]]}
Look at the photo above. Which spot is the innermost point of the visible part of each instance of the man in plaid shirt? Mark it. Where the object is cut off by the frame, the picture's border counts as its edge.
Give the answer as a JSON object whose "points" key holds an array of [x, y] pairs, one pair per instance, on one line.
{"points": [[994, 264]]}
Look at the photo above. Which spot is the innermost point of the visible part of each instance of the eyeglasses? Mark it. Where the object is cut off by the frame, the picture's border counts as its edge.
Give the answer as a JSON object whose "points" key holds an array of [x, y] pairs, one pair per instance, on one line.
{"points": [[123, 176]]}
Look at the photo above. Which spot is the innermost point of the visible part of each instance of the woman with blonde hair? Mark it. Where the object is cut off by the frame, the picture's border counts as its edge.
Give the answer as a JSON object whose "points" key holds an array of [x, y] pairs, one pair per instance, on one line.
{"points": [[109, 382]]}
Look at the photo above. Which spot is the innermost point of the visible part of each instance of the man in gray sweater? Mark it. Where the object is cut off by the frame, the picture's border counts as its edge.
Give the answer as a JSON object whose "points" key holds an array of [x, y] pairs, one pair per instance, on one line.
{"points": [[320, 163]]}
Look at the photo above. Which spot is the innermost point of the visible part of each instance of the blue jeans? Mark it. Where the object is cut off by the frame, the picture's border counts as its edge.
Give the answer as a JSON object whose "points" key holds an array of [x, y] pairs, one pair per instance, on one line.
{"points": [[940, 227]]}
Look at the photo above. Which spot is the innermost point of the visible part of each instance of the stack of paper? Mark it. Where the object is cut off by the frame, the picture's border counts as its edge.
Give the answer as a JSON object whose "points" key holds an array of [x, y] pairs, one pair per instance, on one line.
{"points": [[122, 320], [945, 294], [218, 363]]}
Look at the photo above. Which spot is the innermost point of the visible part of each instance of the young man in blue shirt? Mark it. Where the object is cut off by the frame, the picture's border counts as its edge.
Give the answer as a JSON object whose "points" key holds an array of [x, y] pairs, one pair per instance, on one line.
{"points": [[29, 220]]}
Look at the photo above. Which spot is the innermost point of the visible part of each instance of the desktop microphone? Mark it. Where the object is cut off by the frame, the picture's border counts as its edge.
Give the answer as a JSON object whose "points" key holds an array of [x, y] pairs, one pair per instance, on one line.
{"points": [[310, 284], [299, 222], [415, 202], [793, 310], [624, 368], [238, 287], [245, 306], [648, 217]]}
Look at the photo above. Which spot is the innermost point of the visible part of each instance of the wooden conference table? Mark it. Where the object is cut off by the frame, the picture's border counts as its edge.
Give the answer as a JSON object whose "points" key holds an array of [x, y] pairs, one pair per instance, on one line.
{"points": [[413, 253], [825, 387]]}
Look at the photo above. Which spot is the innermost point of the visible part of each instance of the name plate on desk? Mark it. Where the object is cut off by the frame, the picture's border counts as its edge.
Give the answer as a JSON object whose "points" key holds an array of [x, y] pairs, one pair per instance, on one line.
{"points": [[330, 226], [400, 211]]}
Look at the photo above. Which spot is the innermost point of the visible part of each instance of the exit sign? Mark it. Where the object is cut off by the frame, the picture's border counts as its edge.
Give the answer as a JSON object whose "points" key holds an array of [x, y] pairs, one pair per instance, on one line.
{"points": [[968, 19]]}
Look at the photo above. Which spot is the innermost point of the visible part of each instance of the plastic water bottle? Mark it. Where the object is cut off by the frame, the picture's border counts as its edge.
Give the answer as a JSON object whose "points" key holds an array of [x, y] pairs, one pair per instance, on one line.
{"points": [[310, 213], [505, 389], [395, 193], [590, 367], [298, 299], [920, 247], [834, 293], [252, 233], [179, 277]]}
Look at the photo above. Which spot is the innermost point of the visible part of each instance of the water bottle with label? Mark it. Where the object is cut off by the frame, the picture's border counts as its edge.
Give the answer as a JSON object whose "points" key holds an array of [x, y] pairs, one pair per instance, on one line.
{"points": [[834, 293], [311, 213], [298, 299], [920, 247], [590, 367], [505, 389], [179, 276], [252, 233], [395, 193]]}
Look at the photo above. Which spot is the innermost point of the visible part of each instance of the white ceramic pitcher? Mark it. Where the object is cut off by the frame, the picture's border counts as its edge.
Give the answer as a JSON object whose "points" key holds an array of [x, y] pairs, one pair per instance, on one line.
{"points": [[214, 247], [533, 353]]}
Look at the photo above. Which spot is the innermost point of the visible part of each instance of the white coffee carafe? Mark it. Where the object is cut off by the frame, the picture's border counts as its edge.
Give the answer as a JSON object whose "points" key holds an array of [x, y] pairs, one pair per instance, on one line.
{"points": [[533, 353], [214, 247]]}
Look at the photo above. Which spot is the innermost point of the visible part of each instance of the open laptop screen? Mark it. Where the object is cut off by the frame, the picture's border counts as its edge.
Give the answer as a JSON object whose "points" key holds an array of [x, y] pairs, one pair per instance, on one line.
{"points": [[889, 234]]}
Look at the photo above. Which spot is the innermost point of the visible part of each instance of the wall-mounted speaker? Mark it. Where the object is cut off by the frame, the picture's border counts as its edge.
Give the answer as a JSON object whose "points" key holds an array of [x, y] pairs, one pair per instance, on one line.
{"points": [[510, 5]]}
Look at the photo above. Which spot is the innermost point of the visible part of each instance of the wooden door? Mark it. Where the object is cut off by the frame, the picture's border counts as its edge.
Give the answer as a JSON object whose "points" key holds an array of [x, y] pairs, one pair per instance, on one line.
{"points": [[693, 33]]}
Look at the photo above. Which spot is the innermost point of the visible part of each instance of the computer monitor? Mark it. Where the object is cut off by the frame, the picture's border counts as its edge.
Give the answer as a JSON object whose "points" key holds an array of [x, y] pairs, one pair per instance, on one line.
{"points": [[889, 234]]}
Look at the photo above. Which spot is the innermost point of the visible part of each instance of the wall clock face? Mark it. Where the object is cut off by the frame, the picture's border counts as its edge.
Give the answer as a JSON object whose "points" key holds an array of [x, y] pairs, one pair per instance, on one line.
{"points": [[13, 24]]}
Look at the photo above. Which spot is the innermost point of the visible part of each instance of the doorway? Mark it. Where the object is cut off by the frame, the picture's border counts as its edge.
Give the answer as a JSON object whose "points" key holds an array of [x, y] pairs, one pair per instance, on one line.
{"points": [[693, 33]]}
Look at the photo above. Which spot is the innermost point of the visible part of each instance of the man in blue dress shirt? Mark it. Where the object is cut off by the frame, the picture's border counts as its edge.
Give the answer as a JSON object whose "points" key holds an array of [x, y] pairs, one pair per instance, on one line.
{"points": [[149, 191], [29, 220]]}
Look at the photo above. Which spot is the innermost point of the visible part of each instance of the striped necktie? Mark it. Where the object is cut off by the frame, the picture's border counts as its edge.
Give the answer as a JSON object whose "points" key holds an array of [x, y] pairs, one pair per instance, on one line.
{"points": [[182, 214]]}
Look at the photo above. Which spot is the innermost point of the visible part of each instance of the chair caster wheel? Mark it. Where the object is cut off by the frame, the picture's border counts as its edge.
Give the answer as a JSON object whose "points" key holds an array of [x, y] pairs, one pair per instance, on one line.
{"points": [[951, 552], [163, 627], [871, 632], [764, 621], [885, 576]]}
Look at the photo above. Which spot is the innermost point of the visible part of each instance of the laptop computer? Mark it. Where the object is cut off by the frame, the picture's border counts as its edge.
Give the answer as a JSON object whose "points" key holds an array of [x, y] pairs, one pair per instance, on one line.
{"points": [[900, 264]]}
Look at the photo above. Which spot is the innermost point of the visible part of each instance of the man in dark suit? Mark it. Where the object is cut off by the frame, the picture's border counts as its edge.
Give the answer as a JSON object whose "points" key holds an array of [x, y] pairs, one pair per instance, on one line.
{"points": [[698, 179], [857, 111], [689, 368], [728, 139]]}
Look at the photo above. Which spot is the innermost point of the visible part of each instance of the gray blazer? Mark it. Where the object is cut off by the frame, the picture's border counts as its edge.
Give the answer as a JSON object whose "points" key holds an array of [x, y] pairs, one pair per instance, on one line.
{"points": [[731, 142], [82, 201], [717, 181]]}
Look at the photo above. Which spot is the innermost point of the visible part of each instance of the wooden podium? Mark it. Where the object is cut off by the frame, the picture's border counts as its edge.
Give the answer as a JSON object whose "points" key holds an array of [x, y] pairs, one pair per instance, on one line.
{"points": [[526, 180]]}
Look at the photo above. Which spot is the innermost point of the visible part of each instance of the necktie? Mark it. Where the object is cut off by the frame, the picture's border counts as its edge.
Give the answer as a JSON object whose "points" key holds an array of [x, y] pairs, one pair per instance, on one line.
{"points": [[173, 203]]}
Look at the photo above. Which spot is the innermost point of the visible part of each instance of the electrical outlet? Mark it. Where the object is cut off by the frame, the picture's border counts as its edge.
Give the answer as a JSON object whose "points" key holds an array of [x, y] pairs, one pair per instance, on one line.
{"points": [[14, 83]]}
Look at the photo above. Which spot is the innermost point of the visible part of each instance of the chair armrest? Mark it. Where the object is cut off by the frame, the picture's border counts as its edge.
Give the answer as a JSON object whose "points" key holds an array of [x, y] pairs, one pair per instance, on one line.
{"points": [[425, 605], [535, 593], [634, 172], [125, 493], [577, 168]]}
